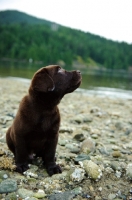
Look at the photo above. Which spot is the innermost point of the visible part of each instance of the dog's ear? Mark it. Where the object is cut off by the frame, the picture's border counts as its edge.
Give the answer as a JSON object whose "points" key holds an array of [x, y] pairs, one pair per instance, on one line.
{"points": [[42, 82]]}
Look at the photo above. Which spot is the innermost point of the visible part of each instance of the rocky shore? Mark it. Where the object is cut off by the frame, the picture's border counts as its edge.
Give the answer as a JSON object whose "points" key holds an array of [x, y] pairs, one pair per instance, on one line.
{"points": [[94, 149]]}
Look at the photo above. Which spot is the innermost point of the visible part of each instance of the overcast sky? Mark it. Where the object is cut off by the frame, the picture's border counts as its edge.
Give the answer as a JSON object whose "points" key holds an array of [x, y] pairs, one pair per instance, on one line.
{"points": [[111, 19]]}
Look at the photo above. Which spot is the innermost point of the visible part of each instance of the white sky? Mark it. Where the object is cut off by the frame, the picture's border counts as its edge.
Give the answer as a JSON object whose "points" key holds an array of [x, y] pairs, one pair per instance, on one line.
{"points": [[111, 19]]}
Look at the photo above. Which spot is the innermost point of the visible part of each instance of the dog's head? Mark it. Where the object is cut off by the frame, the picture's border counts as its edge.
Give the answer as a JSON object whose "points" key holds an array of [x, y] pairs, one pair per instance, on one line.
{"points": [[54, 79]]}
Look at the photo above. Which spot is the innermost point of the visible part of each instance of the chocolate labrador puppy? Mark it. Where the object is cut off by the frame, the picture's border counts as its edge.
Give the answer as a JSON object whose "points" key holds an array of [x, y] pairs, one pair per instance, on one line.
{"points": [[36, 125]]}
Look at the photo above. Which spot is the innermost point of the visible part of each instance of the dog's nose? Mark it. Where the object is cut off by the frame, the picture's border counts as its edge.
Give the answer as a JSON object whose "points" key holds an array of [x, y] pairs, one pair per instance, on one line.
{"points": [[78, 71]]}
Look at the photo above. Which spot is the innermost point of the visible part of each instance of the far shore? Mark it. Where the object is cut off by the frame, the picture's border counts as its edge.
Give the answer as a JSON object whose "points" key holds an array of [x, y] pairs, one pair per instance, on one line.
{"points": [[92, 91]]}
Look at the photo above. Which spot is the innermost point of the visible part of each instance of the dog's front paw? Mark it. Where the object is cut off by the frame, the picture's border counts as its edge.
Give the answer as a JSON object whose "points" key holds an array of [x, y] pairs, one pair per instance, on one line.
{"points": [[54, 169], [21, 168]]}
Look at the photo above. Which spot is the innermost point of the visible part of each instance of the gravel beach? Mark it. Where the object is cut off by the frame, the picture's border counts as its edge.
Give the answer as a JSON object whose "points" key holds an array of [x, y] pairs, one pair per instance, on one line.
{"points": [[94, 149]]}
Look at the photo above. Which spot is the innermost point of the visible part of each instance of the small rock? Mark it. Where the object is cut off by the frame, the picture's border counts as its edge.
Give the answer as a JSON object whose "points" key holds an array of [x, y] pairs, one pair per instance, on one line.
{"points": [[111, 196], [95, 110], [115, 165], [4, 175], [11, 196], [64, 129], [129, 171], [8, 185], [82, 157], [74, 148], [116, 154], [62, 142], [23, 193], [119, 125], [40, 194], [67, 195], [88, 146], [77, 175], [109, 170], [32, 171], [79, 137], [92, 169], [118, 174]]}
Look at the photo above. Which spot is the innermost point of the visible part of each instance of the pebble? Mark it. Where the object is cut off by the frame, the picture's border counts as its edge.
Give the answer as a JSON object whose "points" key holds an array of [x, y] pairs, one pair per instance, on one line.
{"points": [[129, 171], [79, 137], [40, 194], [4, 174], [92, 169], [116, 154], [82, 157], [88, 146], [111, 196], [8, 185], [67, 195], [77, 175], [24, 193]]}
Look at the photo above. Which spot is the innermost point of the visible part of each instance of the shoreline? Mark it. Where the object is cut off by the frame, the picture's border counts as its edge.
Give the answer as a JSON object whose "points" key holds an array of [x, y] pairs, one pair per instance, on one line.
{"points": [[92, 91]]}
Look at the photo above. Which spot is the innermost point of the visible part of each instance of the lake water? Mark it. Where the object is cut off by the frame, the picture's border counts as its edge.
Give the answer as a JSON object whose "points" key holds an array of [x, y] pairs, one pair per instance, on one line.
{"points": [[91, 78]]}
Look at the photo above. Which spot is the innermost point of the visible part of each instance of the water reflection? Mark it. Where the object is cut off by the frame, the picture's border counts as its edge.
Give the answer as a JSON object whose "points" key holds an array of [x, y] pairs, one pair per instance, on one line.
{"points": [[91, 78]]}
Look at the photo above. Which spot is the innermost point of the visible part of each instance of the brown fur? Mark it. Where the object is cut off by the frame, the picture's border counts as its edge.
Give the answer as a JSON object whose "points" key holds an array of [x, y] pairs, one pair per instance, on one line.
{"points": [[36, 125]]}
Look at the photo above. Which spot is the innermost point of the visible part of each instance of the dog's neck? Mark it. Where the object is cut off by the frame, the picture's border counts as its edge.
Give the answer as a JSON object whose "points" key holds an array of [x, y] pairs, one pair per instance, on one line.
{"points": [[46, 100]]}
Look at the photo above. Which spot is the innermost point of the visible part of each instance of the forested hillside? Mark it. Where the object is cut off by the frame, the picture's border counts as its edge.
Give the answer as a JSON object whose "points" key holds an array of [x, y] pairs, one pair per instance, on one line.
{"points": [[24, 37]]}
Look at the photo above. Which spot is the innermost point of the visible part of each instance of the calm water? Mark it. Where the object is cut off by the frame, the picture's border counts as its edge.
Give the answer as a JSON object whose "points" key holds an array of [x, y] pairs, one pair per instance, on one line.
{"points": [[91, 78]]}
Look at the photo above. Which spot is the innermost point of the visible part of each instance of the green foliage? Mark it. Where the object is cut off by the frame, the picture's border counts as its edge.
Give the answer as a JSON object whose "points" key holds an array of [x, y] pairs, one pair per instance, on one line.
{"points": [[24, 37]]}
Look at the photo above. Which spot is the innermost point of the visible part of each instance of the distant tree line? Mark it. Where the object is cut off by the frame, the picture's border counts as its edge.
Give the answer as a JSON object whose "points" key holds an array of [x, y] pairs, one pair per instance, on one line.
{"points": [[53, 44]]}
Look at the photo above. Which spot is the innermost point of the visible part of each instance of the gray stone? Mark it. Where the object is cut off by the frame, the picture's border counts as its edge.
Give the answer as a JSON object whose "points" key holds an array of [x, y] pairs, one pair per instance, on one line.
{"points": [[8, 185], [11, 196], [115, 165], [23, 193], [82, 157], [111, 196], [62, 142], [68, 195], [73, 148]]}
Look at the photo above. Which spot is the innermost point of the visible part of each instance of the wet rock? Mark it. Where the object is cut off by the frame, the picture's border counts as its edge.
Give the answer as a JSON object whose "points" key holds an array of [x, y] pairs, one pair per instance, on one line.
{"points": [[88, 146], [92, 169], [8, 185]]}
